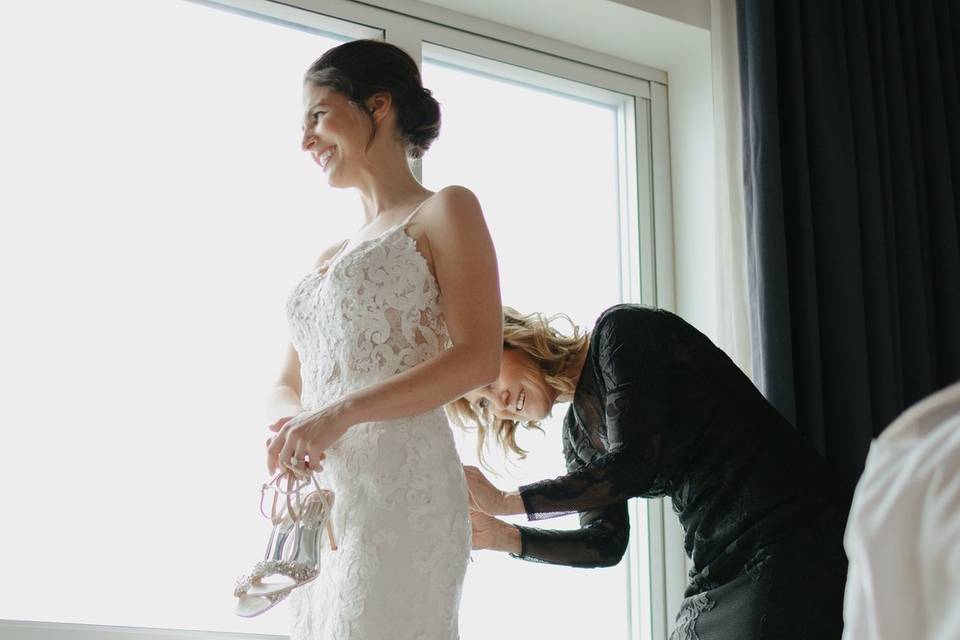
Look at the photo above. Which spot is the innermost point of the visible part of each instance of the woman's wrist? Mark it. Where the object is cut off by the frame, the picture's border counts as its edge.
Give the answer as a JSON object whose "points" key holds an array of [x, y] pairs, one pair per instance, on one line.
{"points": [[508, 539], [341, 413], [513, 504]]}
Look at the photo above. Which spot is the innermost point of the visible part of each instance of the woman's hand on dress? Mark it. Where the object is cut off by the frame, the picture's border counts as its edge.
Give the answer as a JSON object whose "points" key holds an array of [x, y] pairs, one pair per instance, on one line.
{"points": [[491, 533], [304, 437], [485, 497], [484, 530]]}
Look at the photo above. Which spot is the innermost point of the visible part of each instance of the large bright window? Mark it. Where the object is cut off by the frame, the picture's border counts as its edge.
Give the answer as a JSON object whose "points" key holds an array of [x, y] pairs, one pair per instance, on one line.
{"points": [[156, 210]]}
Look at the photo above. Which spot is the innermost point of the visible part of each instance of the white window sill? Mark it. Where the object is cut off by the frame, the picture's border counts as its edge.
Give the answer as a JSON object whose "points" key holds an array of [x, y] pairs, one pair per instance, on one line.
{"points": [[29, 630]]}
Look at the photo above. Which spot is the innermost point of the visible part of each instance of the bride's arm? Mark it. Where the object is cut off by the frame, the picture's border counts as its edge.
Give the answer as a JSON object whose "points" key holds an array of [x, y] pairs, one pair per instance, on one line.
{"points": [[284, 398], [466, 270]]}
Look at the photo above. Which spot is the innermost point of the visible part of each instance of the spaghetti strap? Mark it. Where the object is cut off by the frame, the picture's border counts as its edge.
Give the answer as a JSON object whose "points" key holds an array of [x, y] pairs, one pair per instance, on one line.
{"points": [[343, 245], [414, 212]]}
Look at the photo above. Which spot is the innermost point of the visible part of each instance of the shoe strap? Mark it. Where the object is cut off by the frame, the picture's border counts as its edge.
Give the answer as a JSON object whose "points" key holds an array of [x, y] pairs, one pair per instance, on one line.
{"points": [[275, 485], [293, 489]]}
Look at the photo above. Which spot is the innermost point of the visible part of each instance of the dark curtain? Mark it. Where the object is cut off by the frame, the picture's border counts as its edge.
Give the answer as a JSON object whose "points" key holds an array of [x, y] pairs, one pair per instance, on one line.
{"points": [[851, 119]]}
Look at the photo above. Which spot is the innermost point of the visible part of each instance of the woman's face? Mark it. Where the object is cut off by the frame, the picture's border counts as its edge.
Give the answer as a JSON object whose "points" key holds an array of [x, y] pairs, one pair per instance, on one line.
{"points": [[519, 392], [335, 133]]}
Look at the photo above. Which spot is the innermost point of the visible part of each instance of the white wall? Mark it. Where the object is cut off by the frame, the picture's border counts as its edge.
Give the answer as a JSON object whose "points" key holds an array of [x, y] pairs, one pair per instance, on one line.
{"points": [[692, 12]]}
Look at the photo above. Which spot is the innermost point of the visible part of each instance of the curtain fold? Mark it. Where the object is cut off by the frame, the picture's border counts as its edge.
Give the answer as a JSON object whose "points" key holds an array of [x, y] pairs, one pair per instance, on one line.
{"points": [[733, 326], [851, 126]]}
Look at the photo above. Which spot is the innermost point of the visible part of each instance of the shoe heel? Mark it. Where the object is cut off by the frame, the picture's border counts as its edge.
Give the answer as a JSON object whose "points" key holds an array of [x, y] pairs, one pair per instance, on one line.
{"points": [[333, 544]]}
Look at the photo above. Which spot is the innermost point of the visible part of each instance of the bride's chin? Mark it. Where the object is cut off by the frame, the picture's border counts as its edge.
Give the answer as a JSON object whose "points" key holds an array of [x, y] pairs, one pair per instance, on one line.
{"points": [[335, 179]]}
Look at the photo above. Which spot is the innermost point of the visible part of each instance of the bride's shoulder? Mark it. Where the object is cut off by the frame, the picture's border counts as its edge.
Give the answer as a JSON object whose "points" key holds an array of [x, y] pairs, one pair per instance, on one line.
{"points": [[459, 241], [455, 200], [454, 191], [452, 209]]}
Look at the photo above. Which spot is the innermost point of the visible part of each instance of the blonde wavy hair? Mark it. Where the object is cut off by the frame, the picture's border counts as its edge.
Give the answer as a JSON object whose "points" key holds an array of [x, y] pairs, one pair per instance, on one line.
{"points": [[550, 350]]}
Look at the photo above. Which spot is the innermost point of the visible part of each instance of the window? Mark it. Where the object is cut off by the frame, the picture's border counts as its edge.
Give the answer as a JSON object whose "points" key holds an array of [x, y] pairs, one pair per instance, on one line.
{"points": [[156, 211], [543, 164]]}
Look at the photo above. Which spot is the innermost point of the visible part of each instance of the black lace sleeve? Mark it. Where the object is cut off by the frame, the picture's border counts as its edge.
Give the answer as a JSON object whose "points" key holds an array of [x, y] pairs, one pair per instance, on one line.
{"points": [[631, 372], [600, 541]]}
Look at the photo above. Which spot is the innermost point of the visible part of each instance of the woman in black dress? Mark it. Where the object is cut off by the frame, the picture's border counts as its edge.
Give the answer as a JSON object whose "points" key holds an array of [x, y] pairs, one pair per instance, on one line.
{"points": [[658, 410]]}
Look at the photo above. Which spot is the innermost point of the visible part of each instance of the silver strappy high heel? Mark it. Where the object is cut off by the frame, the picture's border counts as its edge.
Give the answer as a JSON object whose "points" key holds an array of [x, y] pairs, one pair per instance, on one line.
{"points": [[306, 520], [258, 584]]}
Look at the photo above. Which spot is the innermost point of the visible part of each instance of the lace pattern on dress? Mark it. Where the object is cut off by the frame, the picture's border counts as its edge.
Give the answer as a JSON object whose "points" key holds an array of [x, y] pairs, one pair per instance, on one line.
{"points": [[400, 514]]}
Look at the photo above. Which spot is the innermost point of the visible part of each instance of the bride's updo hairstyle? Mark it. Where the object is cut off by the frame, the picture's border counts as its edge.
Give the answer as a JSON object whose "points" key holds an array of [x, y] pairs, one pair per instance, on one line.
{"points": [[549, 349], [362, 68]]}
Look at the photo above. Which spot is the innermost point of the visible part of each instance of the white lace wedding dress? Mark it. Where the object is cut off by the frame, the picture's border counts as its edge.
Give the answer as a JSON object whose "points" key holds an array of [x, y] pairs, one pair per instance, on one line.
{"points": [[400, 514]]}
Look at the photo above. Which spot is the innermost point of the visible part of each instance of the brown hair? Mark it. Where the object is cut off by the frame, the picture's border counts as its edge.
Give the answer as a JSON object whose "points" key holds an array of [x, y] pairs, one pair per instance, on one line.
{"points": [[550, 350], [362, 68]]}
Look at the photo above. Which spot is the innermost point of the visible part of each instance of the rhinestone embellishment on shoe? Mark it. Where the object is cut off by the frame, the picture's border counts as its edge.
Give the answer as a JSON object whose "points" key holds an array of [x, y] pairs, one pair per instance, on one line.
{"points": [[299, 572]]}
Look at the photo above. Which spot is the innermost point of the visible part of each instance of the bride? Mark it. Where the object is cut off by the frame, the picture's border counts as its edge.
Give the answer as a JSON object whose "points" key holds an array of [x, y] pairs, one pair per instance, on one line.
{"points": [[389, 326]]}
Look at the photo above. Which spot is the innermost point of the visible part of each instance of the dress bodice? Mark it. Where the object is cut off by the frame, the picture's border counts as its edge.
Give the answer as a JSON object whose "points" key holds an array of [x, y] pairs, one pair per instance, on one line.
{"points": [[369, 313]]}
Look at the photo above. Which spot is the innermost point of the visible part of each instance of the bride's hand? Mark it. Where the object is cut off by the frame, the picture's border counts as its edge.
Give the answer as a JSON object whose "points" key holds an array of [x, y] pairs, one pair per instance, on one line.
{"points": [[305, 435], [276, 426]]}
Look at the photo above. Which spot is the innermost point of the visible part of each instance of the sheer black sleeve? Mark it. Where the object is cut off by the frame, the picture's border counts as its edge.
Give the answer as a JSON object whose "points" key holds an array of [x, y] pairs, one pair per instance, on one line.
{"points": [[600, 541], [631, 372]]}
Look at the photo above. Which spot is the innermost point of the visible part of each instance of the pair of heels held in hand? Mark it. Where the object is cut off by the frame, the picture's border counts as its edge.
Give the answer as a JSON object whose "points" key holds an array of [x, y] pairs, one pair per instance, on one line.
{"points": [[298, 526]]}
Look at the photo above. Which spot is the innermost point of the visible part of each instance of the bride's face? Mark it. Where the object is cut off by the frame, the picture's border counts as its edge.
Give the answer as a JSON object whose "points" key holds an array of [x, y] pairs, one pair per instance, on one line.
{"points": [[519, 392], [335, 133]]}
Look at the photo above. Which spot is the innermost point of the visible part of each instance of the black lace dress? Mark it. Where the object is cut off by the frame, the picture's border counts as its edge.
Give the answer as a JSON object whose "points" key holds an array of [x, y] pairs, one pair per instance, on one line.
{"points": [[659, 410]]}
